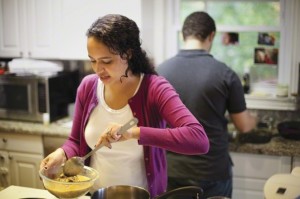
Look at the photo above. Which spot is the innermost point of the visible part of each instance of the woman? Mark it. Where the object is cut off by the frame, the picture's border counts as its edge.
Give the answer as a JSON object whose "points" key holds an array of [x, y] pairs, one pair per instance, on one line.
{"points": [[125, 85]]}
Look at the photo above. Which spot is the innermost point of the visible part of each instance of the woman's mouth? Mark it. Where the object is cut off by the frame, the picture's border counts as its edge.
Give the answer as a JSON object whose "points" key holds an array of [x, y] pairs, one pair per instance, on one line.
{"points": [[104, 77]]}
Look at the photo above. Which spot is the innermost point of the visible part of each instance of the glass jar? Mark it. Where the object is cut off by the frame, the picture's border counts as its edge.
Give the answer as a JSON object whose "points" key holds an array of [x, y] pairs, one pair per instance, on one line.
{"points": [[282, 90]]}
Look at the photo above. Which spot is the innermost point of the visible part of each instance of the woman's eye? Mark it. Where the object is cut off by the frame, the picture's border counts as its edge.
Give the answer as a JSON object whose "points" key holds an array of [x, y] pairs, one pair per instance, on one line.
{"points": [[92, 61], [106, 61]]}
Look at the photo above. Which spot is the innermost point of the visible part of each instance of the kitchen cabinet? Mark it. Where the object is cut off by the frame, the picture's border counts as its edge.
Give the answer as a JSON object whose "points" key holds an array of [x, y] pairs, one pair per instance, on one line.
{"points": [[55, 29], [251, 171], [20, 157], [29, 28], [4, 170], [296, 162]]}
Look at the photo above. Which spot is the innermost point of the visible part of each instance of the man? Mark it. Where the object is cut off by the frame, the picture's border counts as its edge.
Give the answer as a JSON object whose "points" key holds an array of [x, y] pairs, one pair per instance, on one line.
{"points": [[208, 88]]}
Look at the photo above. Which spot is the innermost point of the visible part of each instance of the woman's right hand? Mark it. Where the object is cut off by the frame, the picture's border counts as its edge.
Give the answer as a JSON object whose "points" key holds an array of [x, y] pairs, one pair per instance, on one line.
{"points": [[54, 159]]}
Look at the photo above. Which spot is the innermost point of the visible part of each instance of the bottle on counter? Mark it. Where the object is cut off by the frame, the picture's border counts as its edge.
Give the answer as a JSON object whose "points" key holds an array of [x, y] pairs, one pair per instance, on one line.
{"points": [[246, 80], [2, 69], [282, 90], [6, 67]]}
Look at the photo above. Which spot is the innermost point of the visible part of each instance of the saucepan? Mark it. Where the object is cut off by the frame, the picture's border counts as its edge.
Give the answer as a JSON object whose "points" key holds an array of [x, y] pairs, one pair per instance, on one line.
{"points": [[133, 192], [289, 129]]}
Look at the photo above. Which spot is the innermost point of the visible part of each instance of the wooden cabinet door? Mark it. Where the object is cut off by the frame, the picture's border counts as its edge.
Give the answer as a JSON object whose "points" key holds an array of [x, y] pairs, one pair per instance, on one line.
{"points": [[55, 29], [4, 169], [30, 28], [11, 29], [24, 169], [43, 28]]}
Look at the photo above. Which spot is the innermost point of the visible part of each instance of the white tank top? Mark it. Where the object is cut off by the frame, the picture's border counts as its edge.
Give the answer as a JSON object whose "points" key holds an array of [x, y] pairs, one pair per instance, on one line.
{"points": [[124, 163]]}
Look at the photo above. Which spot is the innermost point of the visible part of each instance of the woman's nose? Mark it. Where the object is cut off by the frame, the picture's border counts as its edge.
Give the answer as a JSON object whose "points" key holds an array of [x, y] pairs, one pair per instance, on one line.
{"points": [[98, 67]]}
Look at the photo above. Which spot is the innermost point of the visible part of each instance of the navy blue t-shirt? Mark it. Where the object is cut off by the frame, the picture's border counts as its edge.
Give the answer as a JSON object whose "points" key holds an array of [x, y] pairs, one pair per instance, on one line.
{"points": [[208, 88]]}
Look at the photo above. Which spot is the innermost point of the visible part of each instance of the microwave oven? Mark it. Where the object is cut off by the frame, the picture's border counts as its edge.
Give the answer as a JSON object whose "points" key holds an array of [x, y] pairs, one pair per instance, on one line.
{"points": [[34, 98]]}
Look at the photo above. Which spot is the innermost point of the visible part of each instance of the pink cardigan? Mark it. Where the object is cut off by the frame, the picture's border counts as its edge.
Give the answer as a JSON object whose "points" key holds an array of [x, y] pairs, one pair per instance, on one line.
{"points": [[155, 104]]}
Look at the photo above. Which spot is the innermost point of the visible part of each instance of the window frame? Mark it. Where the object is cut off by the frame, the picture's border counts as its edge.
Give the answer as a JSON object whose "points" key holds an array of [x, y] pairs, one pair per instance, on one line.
{"points": [[289, 51]]}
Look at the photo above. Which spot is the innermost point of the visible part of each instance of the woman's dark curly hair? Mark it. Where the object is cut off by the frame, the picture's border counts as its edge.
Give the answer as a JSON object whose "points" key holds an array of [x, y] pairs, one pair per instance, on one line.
{"points": [[121, 35]]}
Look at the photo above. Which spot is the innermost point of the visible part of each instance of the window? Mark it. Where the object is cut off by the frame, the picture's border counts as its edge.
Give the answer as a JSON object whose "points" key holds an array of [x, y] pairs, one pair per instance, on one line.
{"points": [[260, 28], [244, 21]]}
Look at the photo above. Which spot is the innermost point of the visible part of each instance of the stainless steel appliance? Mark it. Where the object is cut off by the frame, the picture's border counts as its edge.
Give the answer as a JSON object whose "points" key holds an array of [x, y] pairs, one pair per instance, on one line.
{"points": [[37, 98]]}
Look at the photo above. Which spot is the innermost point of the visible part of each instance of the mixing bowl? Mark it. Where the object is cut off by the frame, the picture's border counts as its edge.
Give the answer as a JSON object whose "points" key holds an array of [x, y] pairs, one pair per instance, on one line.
{"points": [[71, 187]]}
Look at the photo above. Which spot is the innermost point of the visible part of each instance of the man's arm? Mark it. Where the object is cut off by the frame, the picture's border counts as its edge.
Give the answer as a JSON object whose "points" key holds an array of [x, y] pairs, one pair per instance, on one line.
{"points": [[244, 121]]}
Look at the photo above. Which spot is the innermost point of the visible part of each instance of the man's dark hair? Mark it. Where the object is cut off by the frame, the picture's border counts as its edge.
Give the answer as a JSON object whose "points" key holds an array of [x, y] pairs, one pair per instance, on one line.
{"points": [[198, 25]]}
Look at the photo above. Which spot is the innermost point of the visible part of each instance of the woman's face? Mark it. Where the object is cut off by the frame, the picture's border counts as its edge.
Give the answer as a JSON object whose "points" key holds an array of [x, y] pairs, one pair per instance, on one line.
{"points": [[109, 67]]}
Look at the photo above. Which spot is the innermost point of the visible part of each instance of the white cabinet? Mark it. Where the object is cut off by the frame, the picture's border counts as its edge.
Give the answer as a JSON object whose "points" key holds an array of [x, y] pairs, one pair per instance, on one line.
{"points": [[24, 169], [55, 29], [251, 171], [20, 157], [4, 170], [296, 162], [29, 28]]}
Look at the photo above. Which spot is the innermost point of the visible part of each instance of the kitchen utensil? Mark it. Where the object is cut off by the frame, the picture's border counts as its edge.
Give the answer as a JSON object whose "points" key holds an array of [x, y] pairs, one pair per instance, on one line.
{"points": [[132, 192], [289, 129], [67, 188], [255, 137], [74, 165]]}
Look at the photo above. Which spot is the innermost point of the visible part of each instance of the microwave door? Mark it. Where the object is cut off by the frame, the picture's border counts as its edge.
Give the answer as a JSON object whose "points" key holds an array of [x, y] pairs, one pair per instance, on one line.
{"points": [[14, 98], [17, 100]]}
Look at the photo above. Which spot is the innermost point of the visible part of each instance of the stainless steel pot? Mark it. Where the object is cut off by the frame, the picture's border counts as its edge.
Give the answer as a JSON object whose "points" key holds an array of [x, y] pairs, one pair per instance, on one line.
{"points": [[131, 192]]}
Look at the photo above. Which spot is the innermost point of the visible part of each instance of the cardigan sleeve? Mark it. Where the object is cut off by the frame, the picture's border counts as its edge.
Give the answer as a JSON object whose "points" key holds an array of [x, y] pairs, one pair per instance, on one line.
{"points": [[185, 134]]}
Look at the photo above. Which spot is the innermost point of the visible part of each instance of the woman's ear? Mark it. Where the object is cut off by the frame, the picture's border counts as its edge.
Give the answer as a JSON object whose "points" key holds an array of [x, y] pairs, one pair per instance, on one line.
{"points": [[129, 53]]}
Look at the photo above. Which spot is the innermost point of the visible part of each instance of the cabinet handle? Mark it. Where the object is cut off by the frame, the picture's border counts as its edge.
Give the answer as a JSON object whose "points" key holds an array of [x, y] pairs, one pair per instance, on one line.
{"points": [[21, 54], [4, 140], [29, 54], [10, 157]]}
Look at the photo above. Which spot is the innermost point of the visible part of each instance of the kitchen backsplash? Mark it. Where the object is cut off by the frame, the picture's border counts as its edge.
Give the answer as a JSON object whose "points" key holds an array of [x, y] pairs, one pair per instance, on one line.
{"points": [[274, 117]]}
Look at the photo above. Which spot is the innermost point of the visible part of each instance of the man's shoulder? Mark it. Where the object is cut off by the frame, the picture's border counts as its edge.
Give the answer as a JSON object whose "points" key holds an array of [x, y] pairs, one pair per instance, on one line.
{"points": [[168, 66], [167, 62]]}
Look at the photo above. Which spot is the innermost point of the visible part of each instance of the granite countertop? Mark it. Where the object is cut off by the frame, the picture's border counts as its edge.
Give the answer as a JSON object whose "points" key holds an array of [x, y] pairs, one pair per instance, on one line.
{"points": [[277, 146], [60, 128]]}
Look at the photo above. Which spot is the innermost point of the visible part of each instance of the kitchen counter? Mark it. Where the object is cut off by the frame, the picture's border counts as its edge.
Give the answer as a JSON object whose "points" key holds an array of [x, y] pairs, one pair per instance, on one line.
{"points": [[18, 192], [277, 146], [60, 128]]}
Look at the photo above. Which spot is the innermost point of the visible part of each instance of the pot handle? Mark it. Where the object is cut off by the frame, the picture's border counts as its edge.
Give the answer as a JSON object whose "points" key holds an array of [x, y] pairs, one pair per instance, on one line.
{"points": [[186, 191]]}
